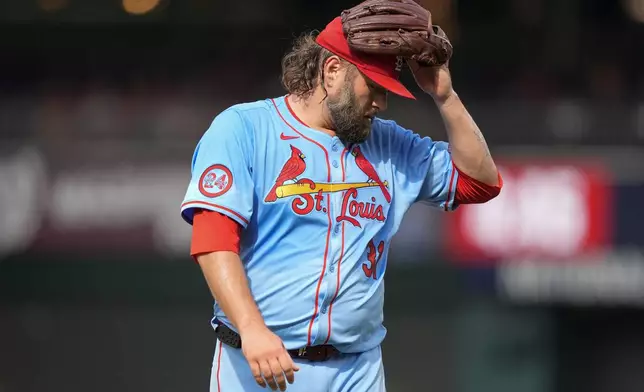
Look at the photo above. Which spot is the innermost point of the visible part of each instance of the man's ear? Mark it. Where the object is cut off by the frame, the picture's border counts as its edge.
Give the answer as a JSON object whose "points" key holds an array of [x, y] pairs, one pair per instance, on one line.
{"points": [[332, 69]]}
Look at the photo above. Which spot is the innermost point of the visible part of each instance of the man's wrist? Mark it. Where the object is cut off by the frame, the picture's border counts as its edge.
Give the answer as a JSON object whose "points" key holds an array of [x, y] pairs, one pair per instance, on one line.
{"points": [[250, 323], [447, 101]]}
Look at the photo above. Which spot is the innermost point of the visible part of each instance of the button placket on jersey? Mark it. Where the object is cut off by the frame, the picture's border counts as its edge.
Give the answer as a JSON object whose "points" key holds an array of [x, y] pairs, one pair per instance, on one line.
{"points": [[335, 242], [336, 200]]}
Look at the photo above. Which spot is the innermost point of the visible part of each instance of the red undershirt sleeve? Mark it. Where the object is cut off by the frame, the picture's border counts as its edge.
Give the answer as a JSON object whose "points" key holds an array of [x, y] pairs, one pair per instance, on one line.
{"points": [[214, 232], [472, 191]]}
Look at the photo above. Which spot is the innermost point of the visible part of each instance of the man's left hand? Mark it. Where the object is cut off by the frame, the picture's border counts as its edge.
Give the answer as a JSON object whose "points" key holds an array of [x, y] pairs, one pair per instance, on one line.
{"points": [[435, 81]]}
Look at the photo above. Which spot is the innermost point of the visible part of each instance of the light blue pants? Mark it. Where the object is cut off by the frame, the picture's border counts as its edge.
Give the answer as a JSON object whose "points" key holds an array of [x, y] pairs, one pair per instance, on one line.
{"points": [[361, 372]]}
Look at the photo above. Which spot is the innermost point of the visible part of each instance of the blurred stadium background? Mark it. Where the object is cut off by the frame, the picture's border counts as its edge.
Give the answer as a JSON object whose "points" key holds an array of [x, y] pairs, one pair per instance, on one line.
{"points": [[102, 102]]}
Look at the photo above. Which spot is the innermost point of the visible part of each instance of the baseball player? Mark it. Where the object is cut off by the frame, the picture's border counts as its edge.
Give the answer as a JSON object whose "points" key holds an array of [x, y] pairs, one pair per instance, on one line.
{"points": [[294, 200]]}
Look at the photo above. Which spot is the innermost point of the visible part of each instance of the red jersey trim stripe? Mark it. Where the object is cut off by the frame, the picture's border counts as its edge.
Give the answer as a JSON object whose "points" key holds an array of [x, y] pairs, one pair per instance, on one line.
{"points": [[337, 286], [290, 109], [196, 203], [328, 233], [221, 348]]}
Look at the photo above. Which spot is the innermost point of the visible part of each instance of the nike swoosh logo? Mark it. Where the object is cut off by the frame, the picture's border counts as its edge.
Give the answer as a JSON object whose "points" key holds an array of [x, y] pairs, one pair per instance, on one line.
{"points": [[284, 137]]}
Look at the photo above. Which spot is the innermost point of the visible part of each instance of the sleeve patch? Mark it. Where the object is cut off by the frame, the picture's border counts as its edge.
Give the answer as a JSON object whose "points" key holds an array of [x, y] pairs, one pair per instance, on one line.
{"points": [[215, 181]]}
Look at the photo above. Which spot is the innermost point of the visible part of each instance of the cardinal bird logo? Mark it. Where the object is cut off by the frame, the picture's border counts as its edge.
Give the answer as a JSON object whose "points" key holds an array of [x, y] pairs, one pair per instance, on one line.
{"points": [[369, 170], [293, 168]]}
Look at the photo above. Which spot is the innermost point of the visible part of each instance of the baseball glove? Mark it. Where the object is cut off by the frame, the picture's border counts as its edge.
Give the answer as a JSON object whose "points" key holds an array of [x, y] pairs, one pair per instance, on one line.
{"points": [[398, 28]]}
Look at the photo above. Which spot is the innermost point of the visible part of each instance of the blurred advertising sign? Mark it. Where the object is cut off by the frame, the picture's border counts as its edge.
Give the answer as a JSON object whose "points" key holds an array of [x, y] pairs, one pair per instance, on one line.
{"points": [[552, 210], [615, 278], [121, 208]]}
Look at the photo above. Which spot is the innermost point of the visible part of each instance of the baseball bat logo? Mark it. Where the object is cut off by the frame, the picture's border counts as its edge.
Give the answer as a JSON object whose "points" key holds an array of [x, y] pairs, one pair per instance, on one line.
{"points": [[309, 195]]}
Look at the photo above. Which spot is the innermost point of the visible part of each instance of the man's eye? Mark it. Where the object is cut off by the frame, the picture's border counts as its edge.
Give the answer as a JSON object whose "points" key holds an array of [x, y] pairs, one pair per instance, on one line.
{"points": [[378, 90]]}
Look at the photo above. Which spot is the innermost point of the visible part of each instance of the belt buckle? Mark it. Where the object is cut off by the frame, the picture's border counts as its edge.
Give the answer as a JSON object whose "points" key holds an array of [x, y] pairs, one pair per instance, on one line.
{"points": [[301, 352]]}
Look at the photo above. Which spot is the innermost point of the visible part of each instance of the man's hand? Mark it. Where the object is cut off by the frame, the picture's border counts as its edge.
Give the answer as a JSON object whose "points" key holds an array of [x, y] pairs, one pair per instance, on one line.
{"points": [[263, 350], [469, 150], [435, 81], [268, 359]]}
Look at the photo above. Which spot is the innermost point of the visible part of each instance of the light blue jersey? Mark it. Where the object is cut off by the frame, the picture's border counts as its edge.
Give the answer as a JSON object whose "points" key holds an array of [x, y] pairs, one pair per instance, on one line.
{"points": [[319, 215]]}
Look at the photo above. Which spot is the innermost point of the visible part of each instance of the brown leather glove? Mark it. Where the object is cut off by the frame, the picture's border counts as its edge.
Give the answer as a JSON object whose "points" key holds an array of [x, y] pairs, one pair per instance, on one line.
{"points": [[398, 28]]}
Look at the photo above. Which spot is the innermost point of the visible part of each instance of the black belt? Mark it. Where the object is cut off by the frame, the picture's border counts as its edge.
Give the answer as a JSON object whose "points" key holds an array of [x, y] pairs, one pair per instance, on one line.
{"points": [[311, 353]]}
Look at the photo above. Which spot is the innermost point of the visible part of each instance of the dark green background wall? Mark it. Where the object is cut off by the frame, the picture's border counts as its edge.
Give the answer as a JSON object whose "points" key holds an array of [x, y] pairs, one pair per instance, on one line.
{"points": [[143, 325]]}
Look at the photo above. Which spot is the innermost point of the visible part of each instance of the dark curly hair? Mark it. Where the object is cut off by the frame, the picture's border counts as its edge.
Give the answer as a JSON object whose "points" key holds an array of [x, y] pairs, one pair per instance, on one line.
{"points": [[302, 66]]}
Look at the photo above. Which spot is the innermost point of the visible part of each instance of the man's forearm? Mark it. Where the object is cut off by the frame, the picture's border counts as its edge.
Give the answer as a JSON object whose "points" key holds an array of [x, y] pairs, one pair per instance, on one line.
{"points": [[470, 152], [226, 278]]}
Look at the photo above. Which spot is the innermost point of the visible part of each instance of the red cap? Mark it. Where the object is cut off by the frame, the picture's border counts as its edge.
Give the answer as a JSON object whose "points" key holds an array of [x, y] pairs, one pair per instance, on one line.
{"points": [[380, 69]]}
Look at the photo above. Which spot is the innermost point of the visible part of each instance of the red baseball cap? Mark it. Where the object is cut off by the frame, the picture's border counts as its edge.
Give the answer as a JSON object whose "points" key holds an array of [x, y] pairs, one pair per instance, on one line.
{"points": [[380, 69]]}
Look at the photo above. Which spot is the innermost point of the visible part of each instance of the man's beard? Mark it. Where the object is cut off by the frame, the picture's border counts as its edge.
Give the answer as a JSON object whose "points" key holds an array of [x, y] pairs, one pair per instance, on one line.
{"points": [[349, 120]]}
